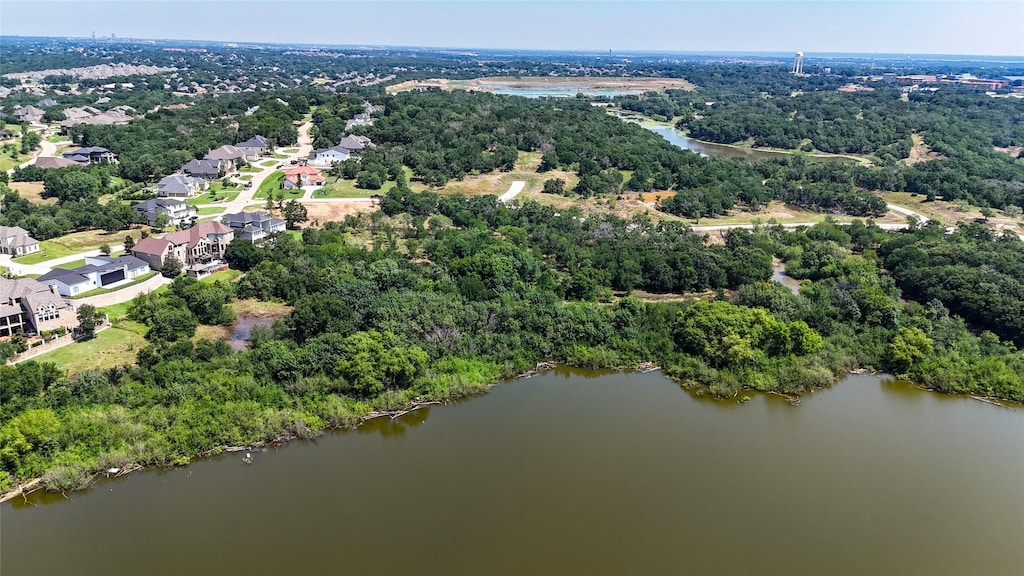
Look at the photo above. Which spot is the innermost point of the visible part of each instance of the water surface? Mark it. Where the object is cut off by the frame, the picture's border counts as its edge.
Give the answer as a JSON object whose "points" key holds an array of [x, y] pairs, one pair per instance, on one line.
{"points": [[573, 473]]}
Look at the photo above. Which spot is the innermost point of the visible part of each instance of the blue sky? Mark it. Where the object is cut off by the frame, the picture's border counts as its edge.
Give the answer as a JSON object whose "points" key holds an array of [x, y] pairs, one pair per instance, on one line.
{"points": [[907, 26]]}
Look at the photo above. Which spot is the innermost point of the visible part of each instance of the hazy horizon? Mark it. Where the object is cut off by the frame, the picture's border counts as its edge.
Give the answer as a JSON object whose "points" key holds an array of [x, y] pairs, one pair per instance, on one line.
{"points": [[992, 28]]}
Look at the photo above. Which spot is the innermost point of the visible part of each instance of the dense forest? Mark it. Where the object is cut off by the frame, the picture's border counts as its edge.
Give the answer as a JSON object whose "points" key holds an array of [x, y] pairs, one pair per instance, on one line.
{"points": [[456, 292]]}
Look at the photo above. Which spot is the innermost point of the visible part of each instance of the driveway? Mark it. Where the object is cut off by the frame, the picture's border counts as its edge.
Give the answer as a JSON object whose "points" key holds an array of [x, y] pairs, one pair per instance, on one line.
{"points": [[124, 295], [45, 266]]}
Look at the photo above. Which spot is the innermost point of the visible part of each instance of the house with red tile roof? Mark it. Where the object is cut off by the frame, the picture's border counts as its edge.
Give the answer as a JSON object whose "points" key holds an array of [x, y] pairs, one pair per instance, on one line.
{"points": [[303, 176]]}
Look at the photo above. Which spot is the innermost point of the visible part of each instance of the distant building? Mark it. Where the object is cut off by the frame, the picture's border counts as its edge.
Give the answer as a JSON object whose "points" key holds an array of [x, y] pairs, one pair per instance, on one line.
{"points": [[16, 241], [29, 307], [29, 114], [180, 186], [254, 226], [96, 273], [46, 103], [254, 147], [177, 212], [208, 169]]}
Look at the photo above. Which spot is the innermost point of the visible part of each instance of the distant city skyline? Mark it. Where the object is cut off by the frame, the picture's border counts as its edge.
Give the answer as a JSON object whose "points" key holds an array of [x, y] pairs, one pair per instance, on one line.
{"points": [[986, 28]]}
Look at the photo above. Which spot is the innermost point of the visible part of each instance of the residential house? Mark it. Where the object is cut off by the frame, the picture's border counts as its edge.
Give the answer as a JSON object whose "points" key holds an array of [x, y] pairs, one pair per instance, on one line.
{"points": [[227, 156], [302, 176], [328, 156], [28, 306], [354, 143], [208, 169], [80, 113], [180, 186], [46, 103], [45, 162], [29, 114], [254, 226], [108, 118], [198, 248], [16, 241], [91, 155], [254, 147], [177, 212], [6, 134], [97, 272]]}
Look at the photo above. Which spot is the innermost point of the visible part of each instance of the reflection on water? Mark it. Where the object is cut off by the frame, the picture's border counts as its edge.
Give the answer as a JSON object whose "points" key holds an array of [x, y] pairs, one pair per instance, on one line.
{"points": [[243, 328], [575, 473]]}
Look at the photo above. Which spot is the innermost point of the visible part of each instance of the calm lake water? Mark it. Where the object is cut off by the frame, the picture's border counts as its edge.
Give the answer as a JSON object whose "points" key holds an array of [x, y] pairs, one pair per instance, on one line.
{"points": [[243, 328], [575, 473], [708, 149]]}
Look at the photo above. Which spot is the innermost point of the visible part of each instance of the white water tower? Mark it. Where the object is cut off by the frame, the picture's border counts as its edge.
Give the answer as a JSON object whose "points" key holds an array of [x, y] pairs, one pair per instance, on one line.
{"points": [[798, 64]]}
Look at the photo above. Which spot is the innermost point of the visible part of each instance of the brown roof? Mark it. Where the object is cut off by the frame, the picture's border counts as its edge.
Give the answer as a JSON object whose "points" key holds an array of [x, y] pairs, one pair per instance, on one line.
{"points": [[53, 162], [151, 245], [192, 235]]}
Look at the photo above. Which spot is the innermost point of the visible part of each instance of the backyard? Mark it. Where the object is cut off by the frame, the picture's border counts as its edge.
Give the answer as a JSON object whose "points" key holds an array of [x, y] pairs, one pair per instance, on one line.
{"points": [[77, 242]]}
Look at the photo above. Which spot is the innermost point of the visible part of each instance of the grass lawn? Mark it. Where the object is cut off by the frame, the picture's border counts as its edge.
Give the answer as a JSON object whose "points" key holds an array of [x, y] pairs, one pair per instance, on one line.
{"points": [[345, 189], [57, 138], [115, 346], [272, 185], [245, 177], [142, 278], [280, 156], [248, 168], [269, 163], [209, 210], [212, 196], [76, 242], [289, 151], [223, 276], [7, 162]]}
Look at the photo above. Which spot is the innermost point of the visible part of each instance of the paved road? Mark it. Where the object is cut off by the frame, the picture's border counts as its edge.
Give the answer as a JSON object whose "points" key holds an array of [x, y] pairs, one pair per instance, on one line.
{"points": [[907, 211], [245, 197], [46, 148], [513, 191]]}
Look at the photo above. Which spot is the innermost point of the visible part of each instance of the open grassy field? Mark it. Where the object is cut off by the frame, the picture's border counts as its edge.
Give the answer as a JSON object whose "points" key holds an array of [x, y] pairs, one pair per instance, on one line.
{"points": [[272, 185], [77, 242], [115, 346], [33, 192], [340, 188]]}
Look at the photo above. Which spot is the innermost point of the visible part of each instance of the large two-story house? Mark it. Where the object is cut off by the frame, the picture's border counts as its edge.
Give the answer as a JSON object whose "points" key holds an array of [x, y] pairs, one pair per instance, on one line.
{"points": [[177, 212], [254, 226], [91, 155], [226, 156], [328, 156], [254, 147], [29, 307], [197, 248], [97, 272], [208, 169], [180, 186], [16, 241]]}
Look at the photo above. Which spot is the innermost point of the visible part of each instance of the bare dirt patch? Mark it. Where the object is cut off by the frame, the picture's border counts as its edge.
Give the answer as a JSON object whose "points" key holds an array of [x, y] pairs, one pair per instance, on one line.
{"points": [[336, 210], [920, 152], [33, 192], [1013, 151]]}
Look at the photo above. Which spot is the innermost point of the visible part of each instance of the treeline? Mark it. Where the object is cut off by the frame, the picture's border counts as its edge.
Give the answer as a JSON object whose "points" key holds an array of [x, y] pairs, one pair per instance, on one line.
{"points": [[863, 123], [164, 140], [78, 191], [440, 296]]}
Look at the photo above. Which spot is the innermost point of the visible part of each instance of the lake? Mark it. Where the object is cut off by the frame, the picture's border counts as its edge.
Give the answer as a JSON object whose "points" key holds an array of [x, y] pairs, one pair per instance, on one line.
{"points": [[574, 472], [721, 150]]}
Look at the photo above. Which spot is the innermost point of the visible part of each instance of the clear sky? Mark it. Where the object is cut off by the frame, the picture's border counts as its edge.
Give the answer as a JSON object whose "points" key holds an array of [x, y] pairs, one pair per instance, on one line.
{"points": [[904, 26]]}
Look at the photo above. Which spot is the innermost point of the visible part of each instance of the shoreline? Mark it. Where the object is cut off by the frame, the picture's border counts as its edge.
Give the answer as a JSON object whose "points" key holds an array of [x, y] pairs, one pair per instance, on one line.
{"points": [[698, 389]]}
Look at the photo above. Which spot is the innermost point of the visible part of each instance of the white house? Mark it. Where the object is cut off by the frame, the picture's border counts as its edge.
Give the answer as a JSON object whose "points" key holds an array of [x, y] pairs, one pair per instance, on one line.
{"points": [[328, 156], [254, 226], [176, 211], [98, 272]]}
